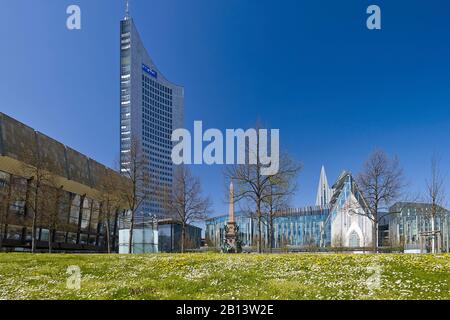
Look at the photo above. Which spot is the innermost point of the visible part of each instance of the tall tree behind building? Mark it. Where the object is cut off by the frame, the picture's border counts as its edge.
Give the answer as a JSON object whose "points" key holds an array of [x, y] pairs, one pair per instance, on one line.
{"points": [[185, 203], [38, 170], [49, 206], [134, 193], [253, 187], [5, 199], [381, 182], [281, 187], [435, 195], [110, 201]]}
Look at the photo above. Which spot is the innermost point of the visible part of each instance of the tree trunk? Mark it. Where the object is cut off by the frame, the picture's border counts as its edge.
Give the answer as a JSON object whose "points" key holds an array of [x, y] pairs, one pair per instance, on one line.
{"points": [[3, 223], [433, 239], [375, 237], [259, 247], [4, 214], [1, 236], [1, 232], [50, 239], [108, 238], [33, 226], [130, 238], [183, 236], [270, 232], [375, 227]]}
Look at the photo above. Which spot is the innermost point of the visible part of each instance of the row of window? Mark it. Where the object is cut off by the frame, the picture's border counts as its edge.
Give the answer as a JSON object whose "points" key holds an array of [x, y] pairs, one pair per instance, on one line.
{"points": [[157, 112], [155, 84], [69, 212], [163, 143], [20, 233]]}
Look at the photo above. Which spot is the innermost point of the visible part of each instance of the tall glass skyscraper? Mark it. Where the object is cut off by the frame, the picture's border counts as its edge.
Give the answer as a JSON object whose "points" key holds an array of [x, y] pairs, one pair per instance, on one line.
{"points": [[151, 107]]}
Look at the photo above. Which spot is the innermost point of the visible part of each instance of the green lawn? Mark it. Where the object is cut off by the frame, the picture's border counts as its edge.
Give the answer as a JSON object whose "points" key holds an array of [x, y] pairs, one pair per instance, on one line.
{"points": [[219, 276]]}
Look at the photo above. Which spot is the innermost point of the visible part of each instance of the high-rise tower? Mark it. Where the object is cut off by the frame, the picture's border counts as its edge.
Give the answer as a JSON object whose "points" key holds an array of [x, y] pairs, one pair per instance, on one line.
{"points": [[324, 192], [151, 107]]}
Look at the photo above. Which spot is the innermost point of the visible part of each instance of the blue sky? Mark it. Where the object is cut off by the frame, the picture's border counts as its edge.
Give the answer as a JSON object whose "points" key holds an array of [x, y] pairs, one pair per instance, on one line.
{"points": [[311, 68]]}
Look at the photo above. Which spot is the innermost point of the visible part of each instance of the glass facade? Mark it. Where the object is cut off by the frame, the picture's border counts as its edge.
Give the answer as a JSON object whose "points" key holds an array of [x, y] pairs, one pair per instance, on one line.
{"points": [[152, 235], [342, 189], [151, 107], [145, 240], [125, 93], [170, 237], [77, 223], [408, 221], [311, 227], [305, 227]]}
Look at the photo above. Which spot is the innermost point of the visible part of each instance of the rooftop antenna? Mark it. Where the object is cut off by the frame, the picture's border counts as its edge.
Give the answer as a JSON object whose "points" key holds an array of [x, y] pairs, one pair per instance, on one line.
{"points": [[127, 9]]}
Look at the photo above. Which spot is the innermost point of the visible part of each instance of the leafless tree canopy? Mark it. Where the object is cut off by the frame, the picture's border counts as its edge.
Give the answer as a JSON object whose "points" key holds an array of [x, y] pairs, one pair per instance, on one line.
{"points": [[135, 168], [381, 180], [435, 185], [185, 203], [435, 195], [5, 200], [111, 200], [49, 205], [257, 190], [37, 169], [281, 187], [381, 183]]}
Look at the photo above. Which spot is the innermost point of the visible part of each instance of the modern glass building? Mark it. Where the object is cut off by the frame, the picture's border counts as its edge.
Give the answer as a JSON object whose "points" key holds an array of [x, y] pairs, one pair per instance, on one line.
{"points": [[151, 107], [345, 222], [340, 221], [151, 235], [408, 224], [145, 235], [170, 236], [304, 227]]}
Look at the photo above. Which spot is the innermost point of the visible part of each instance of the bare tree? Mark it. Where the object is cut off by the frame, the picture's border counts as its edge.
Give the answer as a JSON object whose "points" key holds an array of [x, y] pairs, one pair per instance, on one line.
{"points": [[110, 201], [185, 202], [49, 206], [3, 214], [253, 187], [281, 187], [435, 196], [135, 168], [380, 182], [37, 169], [5, 199]]}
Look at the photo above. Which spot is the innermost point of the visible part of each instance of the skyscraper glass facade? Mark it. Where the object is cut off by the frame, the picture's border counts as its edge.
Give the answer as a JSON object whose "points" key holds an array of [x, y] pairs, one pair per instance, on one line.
{"points": [[151, 107]]}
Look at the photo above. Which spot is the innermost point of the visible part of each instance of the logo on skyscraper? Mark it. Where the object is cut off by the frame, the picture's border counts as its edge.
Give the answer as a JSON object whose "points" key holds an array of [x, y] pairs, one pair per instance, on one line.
{"points": [[149, 71]]}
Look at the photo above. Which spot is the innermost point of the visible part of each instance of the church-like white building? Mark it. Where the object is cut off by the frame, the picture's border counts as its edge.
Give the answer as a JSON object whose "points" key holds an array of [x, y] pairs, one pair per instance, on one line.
{"points": [[350, 218]]}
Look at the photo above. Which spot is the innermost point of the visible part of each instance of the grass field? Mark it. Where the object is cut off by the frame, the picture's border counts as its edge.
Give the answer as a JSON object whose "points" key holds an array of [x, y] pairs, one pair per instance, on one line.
{"points": [[217, 276]]}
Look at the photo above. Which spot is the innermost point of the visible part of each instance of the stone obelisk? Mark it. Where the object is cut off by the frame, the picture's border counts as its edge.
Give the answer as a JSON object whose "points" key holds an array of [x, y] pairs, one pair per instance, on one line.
{"points": [[231, 204], [230, 236]]}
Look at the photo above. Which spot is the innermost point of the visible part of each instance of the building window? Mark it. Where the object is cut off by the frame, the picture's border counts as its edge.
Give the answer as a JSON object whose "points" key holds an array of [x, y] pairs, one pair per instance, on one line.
{"points": [[14, 233]]}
